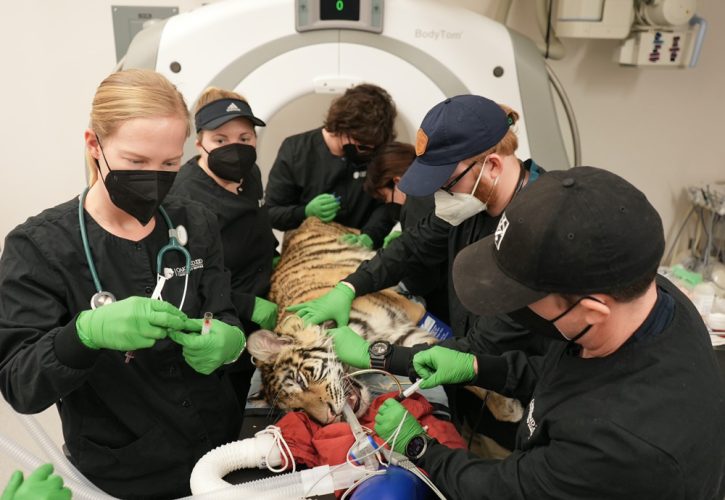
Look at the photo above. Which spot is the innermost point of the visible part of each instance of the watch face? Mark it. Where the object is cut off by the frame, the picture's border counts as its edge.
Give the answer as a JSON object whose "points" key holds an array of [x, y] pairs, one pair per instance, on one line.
{"points": [[379, 348], [415, 447]]}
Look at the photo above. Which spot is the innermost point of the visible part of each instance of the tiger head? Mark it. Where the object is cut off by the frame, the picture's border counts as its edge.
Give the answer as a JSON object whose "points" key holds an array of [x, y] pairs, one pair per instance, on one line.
{"points": [[300, 371]]}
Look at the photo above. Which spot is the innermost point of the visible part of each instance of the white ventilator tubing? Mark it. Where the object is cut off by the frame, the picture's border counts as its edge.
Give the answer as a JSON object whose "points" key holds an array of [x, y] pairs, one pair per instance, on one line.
{"points": [[60, 461], [260, 451], [30, 462], [267, 449]]}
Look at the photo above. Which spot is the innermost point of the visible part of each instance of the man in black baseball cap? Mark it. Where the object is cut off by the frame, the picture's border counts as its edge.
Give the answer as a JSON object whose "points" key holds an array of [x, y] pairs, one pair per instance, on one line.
{"points": [[632, 406]]}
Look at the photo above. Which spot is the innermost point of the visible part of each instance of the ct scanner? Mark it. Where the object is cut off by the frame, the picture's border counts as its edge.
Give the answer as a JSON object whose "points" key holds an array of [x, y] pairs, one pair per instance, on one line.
{"points": [[275, 52]]}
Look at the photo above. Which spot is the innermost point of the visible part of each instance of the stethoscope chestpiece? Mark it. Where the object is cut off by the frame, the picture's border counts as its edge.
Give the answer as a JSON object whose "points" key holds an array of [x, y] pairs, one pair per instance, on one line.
{"points": [[179, 232], [102, 298]]}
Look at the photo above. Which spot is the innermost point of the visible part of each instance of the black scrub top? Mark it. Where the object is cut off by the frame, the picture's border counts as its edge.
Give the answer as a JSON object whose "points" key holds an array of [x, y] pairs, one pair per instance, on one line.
{"points": [[305, 168], [134, 429], [430, 243], [246, 232], [642, 423]]}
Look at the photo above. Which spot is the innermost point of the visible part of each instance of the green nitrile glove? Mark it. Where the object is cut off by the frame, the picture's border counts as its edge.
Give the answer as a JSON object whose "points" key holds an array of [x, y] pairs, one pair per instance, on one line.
{"points": [[323, 206], [12, 487], [335, 304], [440, 365], [361, 240], [129, 324], [387, 421], [350, 347], [205, 353], [40, 485], [265, 313], [390, 237]]}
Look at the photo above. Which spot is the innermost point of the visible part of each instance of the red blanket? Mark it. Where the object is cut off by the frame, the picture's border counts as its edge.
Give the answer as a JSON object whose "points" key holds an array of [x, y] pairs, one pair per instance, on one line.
{"points": [[313, 444]]}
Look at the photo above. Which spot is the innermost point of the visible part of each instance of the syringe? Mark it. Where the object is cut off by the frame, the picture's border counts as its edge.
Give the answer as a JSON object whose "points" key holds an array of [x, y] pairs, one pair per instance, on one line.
{"points": [[206, 323], [410, 390]]}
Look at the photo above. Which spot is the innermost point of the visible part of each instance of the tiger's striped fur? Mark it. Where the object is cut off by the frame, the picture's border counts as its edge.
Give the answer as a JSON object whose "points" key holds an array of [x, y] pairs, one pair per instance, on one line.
{"points": [[298, 366], [314, 260], [301, 372]]}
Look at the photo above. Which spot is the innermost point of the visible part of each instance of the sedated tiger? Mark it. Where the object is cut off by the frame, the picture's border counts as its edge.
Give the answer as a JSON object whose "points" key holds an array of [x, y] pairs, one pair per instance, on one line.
{"points": [[297, 363]]}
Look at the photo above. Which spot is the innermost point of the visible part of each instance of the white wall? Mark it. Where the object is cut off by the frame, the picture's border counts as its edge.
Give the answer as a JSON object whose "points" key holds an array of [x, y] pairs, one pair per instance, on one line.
{"points": [[660, 129]]}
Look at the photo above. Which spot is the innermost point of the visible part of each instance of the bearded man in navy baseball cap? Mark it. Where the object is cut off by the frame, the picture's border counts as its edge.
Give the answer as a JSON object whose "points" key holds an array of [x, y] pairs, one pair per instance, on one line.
{"points": [[454, 130]]}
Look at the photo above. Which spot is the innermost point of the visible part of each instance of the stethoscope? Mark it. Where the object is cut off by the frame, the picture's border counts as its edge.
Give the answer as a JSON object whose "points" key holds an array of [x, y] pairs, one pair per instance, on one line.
{"points": [[177, 239]]}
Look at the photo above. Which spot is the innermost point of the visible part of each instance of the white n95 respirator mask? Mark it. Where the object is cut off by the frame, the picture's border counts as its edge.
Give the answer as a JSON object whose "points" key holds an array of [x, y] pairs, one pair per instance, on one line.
{"points": [[454, 208]]}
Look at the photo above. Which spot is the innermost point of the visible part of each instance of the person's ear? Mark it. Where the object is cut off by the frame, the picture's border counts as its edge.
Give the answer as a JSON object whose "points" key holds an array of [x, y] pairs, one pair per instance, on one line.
{"points": [[596, 309], [92, 146], [495, 164], [197, 144]]}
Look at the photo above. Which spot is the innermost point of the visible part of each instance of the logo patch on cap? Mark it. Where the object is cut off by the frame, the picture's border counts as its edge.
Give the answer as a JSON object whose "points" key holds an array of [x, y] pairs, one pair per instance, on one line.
{"points": [[503, 225], [421, 142], [232, 107]]}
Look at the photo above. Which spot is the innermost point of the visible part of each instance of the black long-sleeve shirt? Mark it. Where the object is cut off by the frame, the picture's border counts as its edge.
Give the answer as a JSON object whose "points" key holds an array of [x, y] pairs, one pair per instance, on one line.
{"points": [[305, 168], [137, 429], [431, 243], [246, 231], [645, 422]]}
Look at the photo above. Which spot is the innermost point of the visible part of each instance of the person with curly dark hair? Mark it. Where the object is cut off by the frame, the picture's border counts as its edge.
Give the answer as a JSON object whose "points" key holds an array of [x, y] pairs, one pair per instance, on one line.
{"points": [[320, 173]]}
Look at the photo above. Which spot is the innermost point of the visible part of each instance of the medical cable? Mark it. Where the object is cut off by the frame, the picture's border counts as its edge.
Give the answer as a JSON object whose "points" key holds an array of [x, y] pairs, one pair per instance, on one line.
{"points": [[368, 475], [282, 446], [362, 442], [396, 458], [375, 370], [478, 420], [374, 452]]}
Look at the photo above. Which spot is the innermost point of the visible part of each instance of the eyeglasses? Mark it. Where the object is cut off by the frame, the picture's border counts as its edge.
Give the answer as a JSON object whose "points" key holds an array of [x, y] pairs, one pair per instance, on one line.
{"points": [[447, 188]]}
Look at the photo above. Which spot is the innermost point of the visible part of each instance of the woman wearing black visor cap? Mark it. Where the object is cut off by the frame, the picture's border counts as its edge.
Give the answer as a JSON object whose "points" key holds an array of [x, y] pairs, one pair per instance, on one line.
{"points": [[225, 178]]}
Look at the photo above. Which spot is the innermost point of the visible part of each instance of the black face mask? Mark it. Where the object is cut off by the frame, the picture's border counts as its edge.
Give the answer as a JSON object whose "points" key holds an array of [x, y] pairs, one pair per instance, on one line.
{"points": [[232, 162], [353, 156], [536, 324], [137, 192], [392, 207]]}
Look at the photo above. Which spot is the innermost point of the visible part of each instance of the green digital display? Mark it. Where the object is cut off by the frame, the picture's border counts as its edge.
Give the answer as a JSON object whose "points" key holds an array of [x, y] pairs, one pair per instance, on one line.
{"points": [[334, 10]]}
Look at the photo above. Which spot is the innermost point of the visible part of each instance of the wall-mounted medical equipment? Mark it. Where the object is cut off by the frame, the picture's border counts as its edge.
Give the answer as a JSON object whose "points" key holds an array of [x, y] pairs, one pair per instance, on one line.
{"points": [[654, 33]]}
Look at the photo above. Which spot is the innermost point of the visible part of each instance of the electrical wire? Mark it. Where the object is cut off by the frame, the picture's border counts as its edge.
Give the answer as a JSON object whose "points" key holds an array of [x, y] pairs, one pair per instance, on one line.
{"points": [[282, 445], [478, 420], [708, 247], [548, 29], [358, 482], [375, 370], [671, 251], [569, 111]]}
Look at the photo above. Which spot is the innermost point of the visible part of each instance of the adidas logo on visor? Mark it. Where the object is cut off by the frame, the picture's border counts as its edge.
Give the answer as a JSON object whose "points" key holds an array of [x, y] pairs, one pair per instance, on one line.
{"points": [[232, 107]]}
